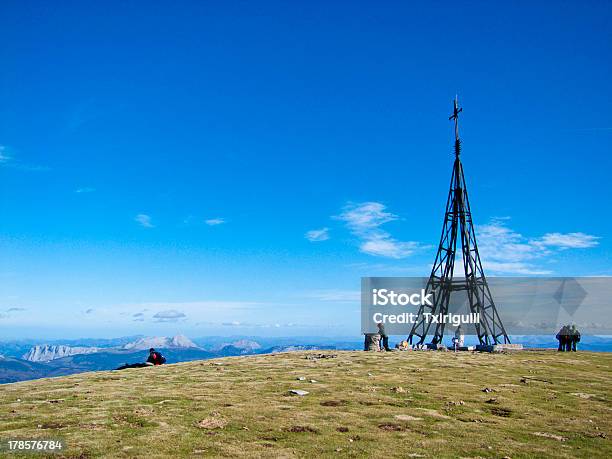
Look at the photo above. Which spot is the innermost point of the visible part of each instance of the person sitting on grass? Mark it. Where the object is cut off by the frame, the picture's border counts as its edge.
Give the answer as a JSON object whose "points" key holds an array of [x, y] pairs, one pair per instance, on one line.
{"points": [[155, 357]]}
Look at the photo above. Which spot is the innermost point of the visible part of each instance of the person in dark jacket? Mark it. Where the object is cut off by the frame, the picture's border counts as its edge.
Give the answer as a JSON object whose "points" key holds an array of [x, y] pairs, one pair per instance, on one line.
{"points": [[155, 357], [574, 338], [384, 339], [563, 338]]}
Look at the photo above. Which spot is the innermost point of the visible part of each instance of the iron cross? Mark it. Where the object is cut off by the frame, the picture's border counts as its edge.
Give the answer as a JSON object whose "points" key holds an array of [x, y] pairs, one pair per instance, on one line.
{"points": [[455, 116]]}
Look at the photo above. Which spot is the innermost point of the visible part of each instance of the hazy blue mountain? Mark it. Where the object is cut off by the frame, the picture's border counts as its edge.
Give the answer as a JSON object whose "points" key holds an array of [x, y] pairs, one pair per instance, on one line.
{"points": [[161, 342], [13, 370], [116, 352]]}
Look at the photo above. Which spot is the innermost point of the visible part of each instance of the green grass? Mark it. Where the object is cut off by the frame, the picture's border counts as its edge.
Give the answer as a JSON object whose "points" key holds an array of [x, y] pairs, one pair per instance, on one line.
{"points": [[409, 404]]}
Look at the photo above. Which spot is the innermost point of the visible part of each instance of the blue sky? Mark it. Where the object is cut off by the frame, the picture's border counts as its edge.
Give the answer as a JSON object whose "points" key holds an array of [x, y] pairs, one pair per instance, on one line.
{"points": [[236, 167]]}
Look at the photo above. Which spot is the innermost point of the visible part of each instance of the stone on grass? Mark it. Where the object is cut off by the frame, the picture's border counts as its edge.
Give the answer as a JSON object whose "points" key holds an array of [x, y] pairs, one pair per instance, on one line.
{"points": [[549, 435], [299, 392], [406, 417], [583, 395]]}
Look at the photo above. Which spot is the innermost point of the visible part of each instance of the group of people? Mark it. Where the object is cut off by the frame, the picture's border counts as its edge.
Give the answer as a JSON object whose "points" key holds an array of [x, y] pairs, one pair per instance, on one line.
{"points": [[458, 339], [568, 338], [383, 344]]}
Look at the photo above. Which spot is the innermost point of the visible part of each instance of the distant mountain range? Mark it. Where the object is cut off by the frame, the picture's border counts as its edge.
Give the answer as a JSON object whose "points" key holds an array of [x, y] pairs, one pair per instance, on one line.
{"points": [[47, 353], [44, 360], [23, 360]]}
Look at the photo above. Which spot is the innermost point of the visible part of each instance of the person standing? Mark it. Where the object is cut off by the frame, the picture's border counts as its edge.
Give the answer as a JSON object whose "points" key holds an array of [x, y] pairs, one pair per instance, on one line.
{"points": [[562, 338], [574, 337], [384, 339], [459, 339]]}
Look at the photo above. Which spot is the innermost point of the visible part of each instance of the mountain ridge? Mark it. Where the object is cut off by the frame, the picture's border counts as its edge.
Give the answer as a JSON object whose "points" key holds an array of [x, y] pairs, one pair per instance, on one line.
{"points": [[179, 341]]}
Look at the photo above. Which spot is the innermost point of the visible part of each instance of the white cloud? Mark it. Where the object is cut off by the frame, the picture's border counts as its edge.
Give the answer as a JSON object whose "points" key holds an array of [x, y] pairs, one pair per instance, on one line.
{"points": [[525, 269], [364, 221], [318, 235], [340, 296], [85, 189], [505, 251], [366, 216], [214, 221], [7, 159], [144, 220], [4, 157], [569, 240], [383, 245], [499, 243]]}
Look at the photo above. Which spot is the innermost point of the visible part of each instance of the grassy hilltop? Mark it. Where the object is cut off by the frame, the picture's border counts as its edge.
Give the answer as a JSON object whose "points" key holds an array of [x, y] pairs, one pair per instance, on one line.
{"points": [[410, 404]]}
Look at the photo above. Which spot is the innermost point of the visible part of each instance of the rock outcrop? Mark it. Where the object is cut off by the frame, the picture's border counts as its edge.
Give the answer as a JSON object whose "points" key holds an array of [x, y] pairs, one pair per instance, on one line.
{"points": [[161, 342], [46, 353]]}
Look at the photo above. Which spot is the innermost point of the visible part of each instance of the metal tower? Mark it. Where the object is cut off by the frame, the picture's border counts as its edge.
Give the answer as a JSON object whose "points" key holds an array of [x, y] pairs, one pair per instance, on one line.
{"points": [[458, 223]]}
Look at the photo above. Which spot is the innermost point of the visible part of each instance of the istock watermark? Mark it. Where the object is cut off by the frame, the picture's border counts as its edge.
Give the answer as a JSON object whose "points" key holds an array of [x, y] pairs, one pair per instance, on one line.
{"points": [[526, 305], [383, 297]]}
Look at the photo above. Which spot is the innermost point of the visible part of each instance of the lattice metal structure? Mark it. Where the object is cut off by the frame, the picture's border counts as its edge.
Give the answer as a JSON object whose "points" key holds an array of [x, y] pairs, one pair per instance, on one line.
{"points": [[458, 224]]}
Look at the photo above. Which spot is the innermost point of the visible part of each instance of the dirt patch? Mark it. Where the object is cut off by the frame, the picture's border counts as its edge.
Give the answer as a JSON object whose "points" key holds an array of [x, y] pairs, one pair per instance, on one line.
{"points": [[320, 356], [133, 420], [433, 413], [334, 403], [390, 427], [212, 423], [301, 429], [503, 412], [342, 429], [91, 426], [51, 425]]}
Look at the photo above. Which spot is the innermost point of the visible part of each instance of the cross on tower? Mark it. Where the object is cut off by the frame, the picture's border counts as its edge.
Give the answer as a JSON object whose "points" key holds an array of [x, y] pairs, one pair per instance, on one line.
{"points": [[455, 116]]}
